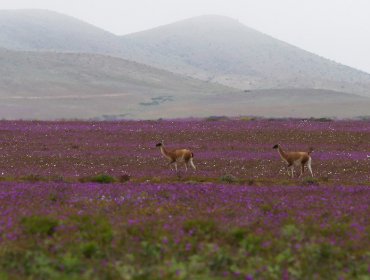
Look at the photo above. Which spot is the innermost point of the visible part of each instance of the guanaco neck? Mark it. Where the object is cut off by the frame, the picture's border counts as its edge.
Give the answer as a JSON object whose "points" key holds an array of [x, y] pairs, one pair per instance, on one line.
{"points": [[165, 152], [282, 154]]}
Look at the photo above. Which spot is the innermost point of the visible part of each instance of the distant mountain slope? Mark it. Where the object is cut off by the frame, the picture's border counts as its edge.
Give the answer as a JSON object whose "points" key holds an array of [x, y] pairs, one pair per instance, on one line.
{"points": [[49, 73], [222, 50], [211, 48], [46, 30], [39, 85], [36, 84], [58, 67]]}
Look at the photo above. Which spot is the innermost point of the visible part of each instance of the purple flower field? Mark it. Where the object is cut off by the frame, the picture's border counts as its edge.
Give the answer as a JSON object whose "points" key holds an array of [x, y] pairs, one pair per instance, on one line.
{"points": [[95, 200]]}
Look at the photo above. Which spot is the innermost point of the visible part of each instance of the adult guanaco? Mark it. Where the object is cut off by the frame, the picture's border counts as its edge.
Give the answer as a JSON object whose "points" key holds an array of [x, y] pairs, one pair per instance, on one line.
{"points": [[296, 159], [178, 155]]}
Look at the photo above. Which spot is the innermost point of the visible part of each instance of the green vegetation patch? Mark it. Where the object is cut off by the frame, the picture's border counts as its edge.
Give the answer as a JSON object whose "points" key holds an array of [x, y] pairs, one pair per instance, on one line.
{"points": [[39, 225]]}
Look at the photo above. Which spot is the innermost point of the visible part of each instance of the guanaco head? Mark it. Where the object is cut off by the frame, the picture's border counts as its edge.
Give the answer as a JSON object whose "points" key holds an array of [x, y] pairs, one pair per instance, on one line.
{"points": [[159, 144], [276, 146]]}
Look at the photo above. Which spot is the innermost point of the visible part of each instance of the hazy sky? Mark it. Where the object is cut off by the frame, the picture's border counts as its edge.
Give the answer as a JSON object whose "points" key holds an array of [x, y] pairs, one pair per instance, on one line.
{"points": [[336, 29]]}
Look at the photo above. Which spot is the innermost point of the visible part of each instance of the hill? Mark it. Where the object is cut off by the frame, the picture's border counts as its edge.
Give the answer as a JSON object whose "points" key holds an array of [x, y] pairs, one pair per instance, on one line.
{"points": [[63, 85], [41, 85], [59, 67], [222, 50], [42, 30], [212, 48]]}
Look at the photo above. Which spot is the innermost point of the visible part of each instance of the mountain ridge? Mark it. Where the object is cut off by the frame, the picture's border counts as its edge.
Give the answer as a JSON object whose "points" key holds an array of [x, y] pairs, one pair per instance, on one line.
{"points": [[45, 30], [212, 48], [197, 67], [245, 60]]}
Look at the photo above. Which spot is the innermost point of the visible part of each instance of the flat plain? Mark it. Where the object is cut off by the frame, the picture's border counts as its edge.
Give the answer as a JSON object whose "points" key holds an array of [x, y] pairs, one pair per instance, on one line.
{"points": [[96, 200]]}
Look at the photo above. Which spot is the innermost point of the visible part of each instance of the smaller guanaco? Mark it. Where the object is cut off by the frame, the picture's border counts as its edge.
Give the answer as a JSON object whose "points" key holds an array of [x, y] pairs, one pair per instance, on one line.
{"points": [[296, 159], [178, 155]]}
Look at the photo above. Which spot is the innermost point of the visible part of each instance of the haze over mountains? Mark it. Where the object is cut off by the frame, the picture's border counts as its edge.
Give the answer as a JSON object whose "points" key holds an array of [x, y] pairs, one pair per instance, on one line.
{"points": [[55, 66], [222, 50], [77, 85], [40, 30]]}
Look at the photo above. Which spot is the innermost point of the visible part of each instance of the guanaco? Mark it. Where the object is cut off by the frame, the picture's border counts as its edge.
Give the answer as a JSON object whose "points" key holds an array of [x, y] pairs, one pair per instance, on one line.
{"points": [[178, 155], [296, 159]]}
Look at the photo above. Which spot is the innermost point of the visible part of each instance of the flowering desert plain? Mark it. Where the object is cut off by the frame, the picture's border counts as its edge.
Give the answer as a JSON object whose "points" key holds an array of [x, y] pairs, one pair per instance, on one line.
{"points": [[96, 200]]}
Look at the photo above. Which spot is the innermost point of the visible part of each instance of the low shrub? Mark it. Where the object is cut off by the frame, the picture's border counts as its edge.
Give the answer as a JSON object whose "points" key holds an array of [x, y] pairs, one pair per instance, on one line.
{"points": [[200, 228], [217, 118], [89, 249], [250, 182], [124, 178], [94, 228], [309, 181], [228, 178], [38, 225], [32, 178], [101, 178], [238, 234], [322, 119]]}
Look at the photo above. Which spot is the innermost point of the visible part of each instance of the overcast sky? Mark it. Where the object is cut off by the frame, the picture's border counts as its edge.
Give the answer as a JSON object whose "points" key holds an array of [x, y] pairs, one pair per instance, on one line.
{"points": [[336, 29]]}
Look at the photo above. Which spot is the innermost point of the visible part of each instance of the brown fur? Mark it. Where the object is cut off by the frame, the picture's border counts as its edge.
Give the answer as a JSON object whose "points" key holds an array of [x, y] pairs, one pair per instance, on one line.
{"points": [[177, 155], [296, 158]]}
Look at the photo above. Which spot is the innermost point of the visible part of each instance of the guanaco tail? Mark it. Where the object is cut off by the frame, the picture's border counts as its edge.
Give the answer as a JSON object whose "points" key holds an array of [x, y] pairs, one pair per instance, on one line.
{"points": [[296, 159], [178, 155]]}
